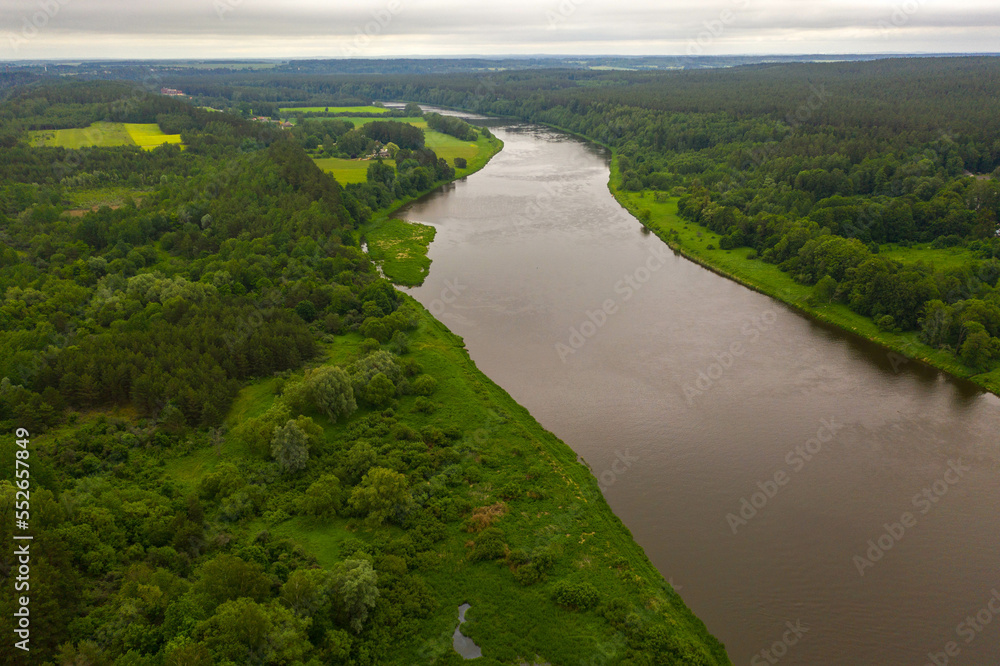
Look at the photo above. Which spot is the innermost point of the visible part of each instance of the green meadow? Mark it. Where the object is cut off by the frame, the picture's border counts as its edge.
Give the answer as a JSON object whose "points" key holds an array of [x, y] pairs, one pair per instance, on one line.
{"points": [[347, 171], [333, 109], [105, 134], [400, 248]]}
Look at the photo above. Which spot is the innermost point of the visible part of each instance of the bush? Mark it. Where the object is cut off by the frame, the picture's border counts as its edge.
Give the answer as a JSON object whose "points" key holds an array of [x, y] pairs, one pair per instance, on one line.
{"points": [[424, 385], [399, 343], [575, 596], [461, 163], [424, 406], [379, 391], [885, 323], [489, 545]]}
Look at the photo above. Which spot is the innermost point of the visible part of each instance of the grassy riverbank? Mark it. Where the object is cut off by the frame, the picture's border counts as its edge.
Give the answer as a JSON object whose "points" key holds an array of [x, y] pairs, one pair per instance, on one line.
{"points": [[400, 247], [702, 246]]}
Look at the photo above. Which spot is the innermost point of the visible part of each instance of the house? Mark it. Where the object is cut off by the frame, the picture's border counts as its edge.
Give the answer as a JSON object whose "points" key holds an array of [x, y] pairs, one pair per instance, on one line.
{"points": [[172, 92]]}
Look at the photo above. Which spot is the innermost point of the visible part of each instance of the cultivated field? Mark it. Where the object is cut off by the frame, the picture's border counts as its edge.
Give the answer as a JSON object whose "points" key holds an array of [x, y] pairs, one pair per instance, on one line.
{"points": [[334, 109], [102, 134]]}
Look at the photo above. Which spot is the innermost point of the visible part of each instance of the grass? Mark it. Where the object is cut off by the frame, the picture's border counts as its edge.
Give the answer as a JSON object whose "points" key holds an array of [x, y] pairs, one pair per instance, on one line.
{"points": [[114, 197], [449, 147], [942, 258], [359, 121], [347, 171], [103, 134], [694, 241], [568, 516], [99, 134], [400, 248], [334, 109]]}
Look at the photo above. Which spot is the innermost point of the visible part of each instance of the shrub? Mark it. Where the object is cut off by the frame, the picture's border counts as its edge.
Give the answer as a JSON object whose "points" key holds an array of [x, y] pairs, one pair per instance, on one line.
{"points": [[379, 391], [489, 545], [424, 406], [424, 385], [461, 163], [575, 596]]}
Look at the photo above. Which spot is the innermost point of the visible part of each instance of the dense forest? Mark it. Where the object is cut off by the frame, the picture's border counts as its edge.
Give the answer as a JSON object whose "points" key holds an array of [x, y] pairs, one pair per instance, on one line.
{"points": [[247, 447]]}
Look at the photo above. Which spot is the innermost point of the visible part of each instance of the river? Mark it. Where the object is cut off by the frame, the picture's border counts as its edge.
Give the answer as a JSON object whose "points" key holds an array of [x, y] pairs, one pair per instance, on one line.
{"points": [[806, 492]]}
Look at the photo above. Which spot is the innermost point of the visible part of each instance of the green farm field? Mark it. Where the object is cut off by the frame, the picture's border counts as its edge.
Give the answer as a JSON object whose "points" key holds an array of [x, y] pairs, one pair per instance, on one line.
{"points": [[347, 171], [334, 109], [104, 134]]}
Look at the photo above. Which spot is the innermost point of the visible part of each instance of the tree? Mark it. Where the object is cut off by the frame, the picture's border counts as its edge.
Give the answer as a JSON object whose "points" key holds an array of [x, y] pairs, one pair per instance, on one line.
{"points": [[413, 110], [355, 590], [290, 447], [227, 577], [330, 390], [307, 591], [977, 349], [246, 632], [323, 498], [306, 310], [380, 390], [824, 290], [381, 494]]}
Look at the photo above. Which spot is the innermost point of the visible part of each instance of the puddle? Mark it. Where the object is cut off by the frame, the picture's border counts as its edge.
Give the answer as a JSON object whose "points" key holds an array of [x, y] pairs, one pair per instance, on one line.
{"points": [[462, 644]]}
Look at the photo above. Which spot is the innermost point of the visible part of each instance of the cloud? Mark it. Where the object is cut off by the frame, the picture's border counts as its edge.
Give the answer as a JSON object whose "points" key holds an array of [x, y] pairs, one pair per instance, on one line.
{"points": [[228, 28]]}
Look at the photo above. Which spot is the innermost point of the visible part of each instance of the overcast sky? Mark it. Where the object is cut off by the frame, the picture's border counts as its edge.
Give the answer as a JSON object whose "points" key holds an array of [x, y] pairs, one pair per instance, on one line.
{"points": [[42, 29]]}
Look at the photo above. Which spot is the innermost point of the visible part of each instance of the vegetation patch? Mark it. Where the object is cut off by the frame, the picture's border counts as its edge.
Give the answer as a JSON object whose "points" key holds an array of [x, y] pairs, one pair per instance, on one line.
{"points": [[149, 135], [334, 109], [105, 134], [100, 134], [400, 248]]}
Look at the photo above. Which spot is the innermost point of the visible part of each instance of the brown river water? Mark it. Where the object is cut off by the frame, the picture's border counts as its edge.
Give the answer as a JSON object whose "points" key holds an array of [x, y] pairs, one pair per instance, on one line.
{"points": [[813, 498]]}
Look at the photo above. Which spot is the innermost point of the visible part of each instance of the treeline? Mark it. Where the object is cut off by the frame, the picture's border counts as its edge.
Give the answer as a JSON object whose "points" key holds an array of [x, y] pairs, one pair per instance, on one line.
{"points": [[456, 127]]}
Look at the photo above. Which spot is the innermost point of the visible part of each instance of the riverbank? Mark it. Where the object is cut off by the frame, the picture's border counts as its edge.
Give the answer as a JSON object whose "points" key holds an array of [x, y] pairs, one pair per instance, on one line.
{"points": [[701, 246], [400, 248]]}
